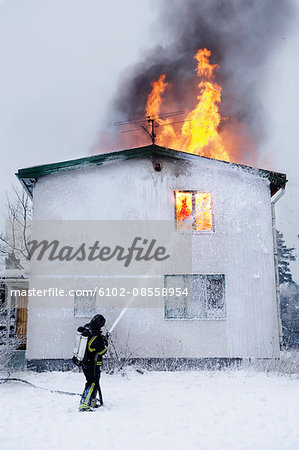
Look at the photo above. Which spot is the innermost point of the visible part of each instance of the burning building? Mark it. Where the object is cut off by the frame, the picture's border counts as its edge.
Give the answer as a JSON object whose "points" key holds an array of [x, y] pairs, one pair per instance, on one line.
{"points": [[231, 309], [225, 302]]}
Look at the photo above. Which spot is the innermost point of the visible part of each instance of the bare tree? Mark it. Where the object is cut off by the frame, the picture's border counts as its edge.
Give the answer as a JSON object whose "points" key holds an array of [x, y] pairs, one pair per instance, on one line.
{"points": [[14, 247], [14, 241], [9, 342]]}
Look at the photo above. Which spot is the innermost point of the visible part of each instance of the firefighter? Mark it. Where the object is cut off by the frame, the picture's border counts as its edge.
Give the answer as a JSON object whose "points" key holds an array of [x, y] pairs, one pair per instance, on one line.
{"points": [[96, 347]]}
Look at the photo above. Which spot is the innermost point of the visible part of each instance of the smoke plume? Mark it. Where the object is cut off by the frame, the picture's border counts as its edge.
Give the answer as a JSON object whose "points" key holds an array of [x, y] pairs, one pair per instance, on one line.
{"points": [[241, 34]]}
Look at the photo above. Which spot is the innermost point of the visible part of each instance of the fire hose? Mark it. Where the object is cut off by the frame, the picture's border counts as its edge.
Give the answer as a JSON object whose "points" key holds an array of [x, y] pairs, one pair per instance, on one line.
{"points": [[55, 391]]}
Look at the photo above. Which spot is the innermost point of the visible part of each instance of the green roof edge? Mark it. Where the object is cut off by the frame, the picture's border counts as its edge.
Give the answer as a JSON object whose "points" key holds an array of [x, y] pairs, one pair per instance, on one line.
{"points": [[28, 176]]}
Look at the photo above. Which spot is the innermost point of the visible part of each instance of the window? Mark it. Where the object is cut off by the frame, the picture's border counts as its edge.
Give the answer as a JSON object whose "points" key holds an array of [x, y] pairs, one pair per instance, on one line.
{"points": [[193, 211], [202, 297], [84, 303]]}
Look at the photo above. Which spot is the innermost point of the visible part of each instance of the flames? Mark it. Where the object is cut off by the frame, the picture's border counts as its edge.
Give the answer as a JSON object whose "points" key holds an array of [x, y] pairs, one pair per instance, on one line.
{"points": [[184, 208], [200, 130], [203, 211], [167, 135], [194, 211]]}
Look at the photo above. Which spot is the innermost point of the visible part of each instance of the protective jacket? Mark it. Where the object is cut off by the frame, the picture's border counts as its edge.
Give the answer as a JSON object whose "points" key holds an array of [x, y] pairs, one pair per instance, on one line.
{"points": [[96, 346]]}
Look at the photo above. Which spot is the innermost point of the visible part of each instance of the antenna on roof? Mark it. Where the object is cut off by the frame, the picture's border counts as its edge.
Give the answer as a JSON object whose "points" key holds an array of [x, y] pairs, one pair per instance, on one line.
{"points": [[151, 121]]}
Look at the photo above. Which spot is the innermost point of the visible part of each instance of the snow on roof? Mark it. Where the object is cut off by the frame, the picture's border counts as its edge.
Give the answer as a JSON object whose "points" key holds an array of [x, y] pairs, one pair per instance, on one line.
{"points": [[30, 175]]}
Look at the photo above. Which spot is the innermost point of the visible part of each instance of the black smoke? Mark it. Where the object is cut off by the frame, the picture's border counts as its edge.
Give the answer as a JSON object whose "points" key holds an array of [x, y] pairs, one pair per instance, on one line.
{"points": [[241, 34]]}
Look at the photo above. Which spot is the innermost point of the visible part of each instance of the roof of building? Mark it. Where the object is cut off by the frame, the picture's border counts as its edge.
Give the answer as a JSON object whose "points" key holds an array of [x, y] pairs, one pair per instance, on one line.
{"points": [[30, 175]]}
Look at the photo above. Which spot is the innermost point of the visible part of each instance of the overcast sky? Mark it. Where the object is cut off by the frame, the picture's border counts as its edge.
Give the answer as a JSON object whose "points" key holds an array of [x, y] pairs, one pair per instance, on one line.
{"points": [[61, 60]]}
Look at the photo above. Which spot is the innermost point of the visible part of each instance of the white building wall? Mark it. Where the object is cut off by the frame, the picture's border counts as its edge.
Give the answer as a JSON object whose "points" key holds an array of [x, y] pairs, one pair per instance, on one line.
{"points": [[241, 248]]}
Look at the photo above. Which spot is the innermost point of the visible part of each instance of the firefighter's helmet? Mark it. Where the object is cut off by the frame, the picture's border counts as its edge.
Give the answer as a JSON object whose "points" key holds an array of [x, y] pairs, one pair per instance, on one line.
{"points": [[98, 321]]}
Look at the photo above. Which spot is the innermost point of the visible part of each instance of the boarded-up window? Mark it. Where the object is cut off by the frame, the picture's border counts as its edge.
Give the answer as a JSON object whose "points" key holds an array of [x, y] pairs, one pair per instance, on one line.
{"points": [[203, 297], [175, 305], [193, 211], [84, 303]]}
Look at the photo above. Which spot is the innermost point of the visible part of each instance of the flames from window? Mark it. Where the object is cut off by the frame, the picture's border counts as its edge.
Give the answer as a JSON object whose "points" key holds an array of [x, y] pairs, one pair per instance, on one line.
{"points": [[203, 211], [194, 211], [184, 210]]}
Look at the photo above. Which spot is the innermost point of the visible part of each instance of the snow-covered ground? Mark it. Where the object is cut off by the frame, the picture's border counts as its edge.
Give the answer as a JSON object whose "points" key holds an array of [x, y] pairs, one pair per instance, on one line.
{"points": [[154, 410]]}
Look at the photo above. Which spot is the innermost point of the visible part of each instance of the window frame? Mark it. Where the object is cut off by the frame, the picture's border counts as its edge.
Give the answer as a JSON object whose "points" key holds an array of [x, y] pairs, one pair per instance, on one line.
{"points": [[193, 192], [85, 313], [208, 317]]}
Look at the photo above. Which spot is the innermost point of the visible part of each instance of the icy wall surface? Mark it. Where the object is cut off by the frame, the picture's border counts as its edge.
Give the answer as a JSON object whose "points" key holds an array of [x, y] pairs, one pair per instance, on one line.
{"points": [[241, 248]]}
